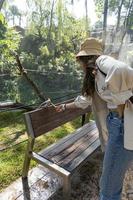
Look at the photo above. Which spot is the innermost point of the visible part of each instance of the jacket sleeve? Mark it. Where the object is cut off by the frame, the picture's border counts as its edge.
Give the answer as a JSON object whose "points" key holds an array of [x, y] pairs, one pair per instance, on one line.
{"points": [[83, 101]]}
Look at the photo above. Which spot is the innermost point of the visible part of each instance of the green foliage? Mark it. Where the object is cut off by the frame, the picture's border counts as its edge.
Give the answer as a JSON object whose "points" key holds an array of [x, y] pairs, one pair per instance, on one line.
{"points": [[99, 7], [3, 26], [113, 6], [44, 50], [54, 55], [48, 49], [9, 43]]}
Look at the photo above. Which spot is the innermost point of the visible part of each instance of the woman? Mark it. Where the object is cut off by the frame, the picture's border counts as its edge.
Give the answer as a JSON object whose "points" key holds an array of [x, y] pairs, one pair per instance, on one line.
{"points": [[108, 86]]}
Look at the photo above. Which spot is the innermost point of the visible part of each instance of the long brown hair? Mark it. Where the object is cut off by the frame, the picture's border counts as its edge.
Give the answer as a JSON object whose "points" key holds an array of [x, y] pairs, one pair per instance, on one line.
{"points": [[89, 78]]}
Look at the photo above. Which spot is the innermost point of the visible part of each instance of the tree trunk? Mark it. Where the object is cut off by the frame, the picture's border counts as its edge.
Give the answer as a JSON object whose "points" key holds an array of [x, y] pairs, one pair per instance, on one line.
{"points": [[51, 19], [128, 13], [86, 12], [60, 19], [122, 39], [119, 15], [13, 20], [20, 19], [1, 3], [105, 14]]}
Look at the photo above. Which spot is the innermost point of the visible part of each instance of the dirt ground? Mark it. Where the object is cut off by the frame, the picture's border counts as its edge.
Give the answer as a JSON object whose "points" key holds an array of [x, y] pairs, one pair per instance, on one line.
{"points": [[85, 184]]}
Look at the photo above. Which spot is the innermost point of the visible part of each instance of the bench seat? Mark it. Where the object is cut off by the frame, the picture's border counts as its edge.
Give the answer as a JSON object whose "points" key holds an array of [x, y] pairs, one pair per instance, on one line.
{"points": [[72, 150]]}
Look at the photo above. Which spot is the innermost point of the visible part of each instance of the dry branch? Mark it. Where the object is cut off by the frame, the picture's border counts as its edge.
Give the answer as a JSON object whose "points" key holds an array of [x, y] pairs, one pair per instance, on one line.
{"points": [[24, 73]]}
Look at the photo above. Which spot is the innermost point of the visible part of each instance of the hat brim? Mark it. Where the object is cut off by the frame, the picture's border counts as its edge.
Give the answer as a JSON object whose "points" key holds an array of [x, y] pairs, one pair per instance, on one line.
{"points": [[89, 53]]}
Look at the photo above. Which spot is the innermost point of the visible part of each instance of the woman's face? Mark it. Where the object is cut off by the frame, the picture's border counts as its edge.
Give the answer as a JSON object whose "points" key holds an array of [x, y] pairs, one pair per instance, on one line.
{"points": [[90, 64], [83, 65]]}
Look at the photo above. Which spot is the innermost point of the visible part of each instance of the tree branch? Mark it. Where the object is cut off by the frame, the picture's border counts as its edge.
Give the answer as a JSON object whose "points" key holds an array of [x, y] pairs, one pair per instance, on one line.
{"points": [[12, 105], [1, 3], [24, 73]]}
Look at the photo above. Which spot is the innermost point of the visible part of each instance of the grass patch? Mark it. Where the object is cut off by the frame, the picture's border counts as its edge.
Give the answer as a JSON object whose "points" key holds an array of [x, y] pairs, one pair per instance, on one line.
{"points": [[13, 129]]}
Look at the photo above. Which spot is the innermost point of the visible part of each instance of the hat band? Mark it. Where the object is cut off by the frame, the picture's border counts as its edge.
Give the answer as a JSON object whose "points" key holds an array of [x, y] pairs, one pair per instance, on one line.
{"points": [[91, 49]]}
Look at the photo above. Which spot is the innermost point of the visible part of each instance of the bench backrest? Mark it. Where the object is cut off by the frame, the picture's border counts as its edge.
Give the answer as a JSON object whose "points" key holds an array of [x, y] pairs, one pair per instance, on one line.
{"points": [[43, 120]]}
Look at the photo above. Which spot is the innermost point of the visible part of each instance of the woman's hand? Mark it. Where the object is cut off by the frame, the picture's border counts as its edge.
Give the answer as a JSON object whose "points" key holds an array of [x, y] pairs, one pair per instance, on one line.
{"points": [[61, 108]]}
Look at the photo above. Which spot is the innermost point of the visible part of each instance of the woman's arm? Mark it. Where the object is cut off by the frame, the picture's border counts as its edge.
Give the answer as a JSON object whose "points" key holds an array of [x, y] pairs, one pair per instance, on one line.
{"points": [[63, 107], [80, 102]]}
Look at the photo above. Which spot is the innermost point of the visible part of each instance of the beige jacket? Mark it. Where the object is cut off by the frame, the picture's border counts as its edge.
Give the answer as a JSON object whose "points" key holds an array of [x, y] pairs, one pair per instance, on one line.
{"points": [[119, 83]]}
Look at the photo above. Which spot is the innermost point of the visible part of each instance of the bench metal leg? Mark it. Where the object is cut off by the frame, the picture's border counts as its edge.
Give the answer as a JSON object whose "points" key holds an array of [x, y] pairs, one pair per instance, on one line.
{"points": [[26, 166], [26, 189], [27, 158], [66, 188]]}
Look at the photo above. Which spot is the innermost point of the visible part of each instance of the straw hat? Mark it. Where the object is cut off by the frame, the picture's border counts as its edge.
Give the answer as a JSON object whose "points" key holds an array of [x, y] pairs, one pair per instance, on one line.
{"points": [[91, 46]]}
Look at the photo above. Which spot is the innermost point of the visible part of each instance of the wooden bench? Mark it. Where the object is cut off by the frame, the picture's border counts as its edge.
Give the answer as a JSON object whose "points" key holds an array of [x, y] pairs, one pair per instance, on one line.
{"points": [[69, 153]]}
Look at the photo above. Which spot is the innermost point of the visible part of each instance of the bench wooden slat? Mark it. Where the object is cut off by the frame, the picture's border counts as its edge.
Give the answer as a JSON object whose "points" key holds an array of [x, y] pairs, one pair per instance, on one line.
{"points": [[52, 119], [78, 151], [67, 141], [72, 148], [46, 119], [77, 161]]}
